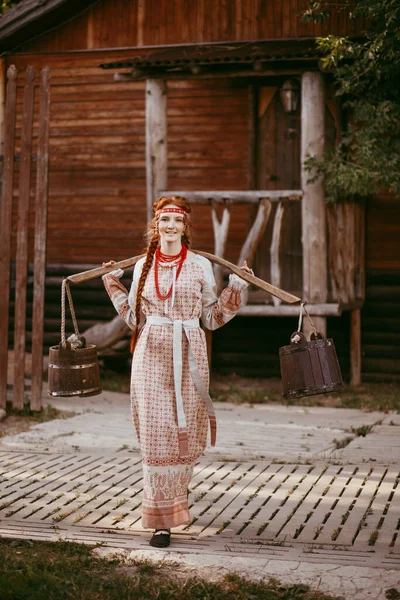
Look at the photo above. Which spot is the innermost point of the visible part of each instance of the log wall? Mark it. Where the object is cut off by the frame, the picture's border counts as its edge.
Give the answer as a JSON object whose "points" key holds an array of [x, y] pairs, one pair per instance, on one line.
{"points": [[97, 188], [383, 232], [117, 23]]}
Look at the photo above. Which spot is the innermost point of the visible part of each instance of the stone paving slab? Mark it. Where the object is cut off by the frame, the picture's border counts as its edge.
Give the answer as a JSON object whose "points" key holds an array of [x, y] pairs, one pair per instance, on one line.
{"points": [[381, 444], [244, 507], [274, 497], [244, 432]]}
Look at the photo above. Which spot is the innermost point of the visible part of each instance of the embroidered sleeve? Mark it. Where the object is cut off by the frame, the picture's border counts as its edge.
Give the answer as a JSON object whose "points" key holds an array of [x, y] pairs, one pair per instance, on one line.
{"points": [[123, 302], [218, 311]]}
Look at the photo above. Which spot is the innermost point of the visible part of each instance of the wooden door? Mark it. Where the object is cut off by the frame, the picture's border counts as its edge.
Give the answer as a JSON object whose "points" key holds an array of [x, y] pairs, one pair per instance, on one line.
{"points": [[278, 168]]}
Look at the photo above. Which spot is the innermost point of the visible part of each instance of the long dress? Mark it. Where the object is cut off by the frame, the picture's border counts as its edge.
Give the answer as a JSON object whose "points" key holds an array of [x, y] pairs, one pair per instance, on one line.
{"points": [[170, 404]]}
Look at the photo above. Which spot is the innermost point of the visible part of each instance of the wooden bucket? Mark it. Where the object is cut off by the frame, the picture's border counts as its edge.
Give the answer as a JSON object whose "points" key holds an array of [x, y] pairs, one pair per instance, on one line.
{"points": [[309, 368], [73, 371]]}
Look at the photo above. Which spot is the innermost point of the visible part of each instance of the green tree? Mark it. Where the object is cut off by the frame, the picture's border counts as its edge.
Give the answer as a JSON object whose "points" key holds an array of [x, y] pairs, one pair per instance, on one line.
{"points": [[367, 77]]}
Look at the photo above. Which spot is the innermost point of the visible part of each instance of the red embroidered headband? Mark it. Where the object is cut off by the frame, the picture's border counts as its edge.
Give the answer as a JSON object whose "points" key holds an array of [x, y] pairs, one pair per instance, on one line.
{"points": [[180, 211]]}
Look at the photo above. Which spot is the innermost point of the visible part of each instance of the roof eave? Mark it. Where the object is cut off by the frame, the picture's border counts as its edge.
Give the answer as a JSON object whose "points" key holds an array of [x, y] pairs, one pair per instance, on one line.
{"points": [[32, 18]]}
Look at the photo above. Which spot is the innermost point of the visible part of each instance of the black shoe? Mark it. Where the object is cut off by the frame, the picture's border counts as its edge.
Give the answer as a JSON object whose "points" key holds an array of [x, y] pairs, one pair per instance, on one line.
{"points": [[161, 538]]}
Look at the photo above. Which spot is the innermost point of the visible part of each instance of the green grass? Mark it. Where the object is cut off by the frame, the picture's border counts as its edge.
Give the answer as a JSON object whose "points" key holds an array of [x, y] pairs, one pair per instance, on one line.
{"points": [[368, 397], [47, 413], [112, 381], [51, 571]]}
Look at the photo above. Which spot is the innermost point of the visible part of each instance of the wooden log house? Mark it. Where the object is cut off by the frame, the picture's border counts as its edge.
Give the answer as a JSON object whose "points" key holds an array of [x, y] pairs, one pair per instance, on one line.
{"points": [[222, 102]]}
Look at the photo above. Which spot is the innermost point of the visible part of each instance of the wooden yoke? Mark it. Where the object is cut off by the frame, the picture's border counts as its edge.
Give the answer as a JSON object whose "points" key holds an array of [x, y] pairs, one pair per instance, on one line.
{"points": [[129, 262]]}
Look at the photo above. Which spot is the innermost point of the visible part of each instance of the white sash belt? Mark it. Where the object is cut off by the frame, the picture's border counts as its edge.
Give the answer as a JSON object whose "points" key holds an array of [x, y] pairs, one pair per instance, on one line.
{"points": [[178, 326]]}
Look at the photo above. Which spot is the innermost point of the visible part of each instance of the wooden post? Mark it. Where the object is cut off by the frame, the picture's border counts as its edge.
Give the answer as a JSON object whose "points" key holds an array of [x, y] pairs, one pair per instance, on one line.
{"points": [[2, 105], [156, 140], [355, 348], [42, 178], [252, 137], [313, 213], [221, 229], [5, 226], [275, 248], [22, 242]]}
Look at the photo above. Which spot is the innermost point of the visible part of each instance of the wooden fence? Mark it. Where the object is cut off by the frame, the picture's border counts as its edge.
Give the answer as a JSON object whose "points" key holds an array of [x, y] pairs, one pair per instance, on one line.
{"points": [[9, 189]]}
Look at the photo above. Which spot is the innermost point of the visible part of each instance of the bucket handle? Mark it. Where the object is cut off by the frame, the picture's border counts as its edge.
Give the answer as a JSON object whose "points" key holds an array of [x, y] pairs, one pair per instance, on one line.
{"points": [[65, 288], [303, 308]]}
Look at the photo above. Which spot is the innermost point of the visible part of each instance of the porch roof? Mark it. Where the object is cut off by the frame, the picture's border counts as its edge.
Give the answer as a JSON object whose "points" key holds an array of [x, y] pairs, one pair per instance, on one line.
{"points": [[226, 56]]}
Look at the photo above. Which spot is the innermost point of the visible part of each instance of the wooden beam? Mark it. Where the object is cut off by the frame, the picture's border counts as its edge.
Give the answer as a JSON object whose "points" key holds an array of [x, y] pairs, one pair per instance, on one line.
{"points": [[123, 264], [5, 225], [237, 197], [221, 229], [276, 247], [284, 310], [41, 201], [156, 141], [22, 241], [2, 107], [141, 7], [360, 249], [252, 136], [315, 276], [185, 74], [355, 347], [256, 232]]}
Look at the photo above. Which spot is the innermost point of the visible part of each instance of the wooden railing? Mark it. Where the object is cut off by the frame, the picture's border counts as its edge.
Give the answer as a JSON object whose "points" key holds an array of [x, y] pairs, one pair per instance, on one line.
{"points": [[263, 199], [345, 246]]}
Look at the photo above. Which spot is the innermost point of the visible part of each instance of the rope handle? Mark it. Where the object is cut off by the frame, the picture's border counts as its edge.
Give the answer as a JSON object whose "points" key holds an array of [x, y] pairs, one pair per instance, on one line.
{"points": [[302, 307], [65, 288]]}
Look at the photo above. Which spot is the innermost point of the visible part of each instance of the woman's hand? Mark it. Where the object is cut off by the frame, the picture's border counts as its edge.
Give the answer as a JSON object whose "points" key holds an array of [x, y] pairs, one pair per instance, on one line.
{"points": [[110, 263]]}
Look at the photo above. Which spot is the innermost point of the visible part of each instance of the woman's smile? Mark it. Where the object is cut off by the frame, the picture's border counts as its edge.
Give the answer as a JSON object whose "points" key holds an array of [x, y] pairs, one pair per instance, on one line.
{"points": [[171, 227]]}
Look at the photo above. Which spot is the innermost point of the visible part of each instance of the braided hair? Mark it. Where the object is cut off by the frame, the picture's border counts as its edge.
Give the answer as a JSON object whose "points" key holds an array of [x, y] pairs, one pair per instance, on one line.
{"points": [[153, 238]]}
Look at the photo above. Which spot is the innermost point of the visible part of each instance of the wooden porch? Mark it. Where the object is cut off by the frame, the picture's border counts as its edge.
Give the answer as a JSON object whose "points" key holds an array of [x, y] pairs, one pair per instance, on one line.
{"points": [[331, 276]]}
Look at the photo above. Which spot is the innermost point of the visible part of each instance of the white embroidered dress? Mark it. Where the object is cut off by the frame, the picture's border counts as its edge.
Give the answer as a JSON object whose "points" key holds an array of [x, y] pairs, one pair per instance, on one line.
{"points": [[170, 377]]}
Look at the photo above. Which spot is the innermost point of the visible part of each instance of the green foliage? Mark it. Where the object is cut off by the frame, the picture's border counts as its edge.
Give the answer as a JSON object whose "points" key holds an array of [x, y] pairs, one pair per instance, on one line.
{"points": [[367, 75]]}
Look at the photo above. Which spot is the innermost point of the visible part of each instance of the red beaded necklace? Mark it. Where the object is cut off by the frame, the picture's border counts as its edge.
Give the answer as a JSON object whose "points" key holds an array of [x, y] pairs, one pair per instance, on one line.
{"points": [[167, 258]]}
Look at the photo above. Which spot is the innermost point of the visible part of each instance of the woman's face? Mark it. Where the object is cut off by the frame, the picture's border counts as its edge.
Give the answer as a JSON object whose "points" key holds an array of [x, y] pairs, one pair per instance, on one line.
{"points": [[171, 225]]}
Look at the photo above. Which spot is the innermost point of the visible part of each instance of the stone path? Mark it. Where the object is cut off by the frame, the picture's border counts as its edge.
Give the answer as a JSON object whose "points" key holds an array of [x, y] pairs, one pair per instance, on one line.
{"points": [[277, 496]]}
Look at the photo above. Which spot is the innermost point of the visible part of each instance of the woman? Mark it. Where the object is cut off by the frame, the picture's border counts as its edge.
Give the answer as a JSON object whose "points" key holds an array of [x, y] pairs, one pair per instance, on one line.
{"points": [[172, 289]]}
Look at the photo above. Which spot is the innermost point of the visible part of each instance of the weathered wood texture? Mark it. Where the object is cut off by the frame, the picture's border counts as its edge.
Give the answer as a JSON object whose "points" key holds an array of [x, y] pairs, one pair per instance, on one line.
{"points": [[156, 141], [355, 347], [313, 214], [346, 251], [97, 187], [5, 224], [22, 241], [278, 167], [383, 232], [97, 131], [40, 243], [30, 148], [221, 230], [380, 340], [117, 23]]}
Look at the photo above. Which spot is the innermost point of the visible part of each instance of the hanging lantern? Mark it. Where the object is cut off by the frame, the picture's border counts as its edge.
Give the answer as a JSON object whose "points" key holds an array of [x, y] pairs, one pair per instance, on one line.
{"points": [[289, 94]]}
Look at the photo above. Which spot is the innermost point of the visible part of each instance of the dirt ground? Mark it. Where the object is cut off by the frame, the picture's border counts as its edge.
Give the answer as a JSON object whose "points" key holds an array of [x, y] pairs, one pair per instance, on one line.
{"points": [[14, 424]]}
